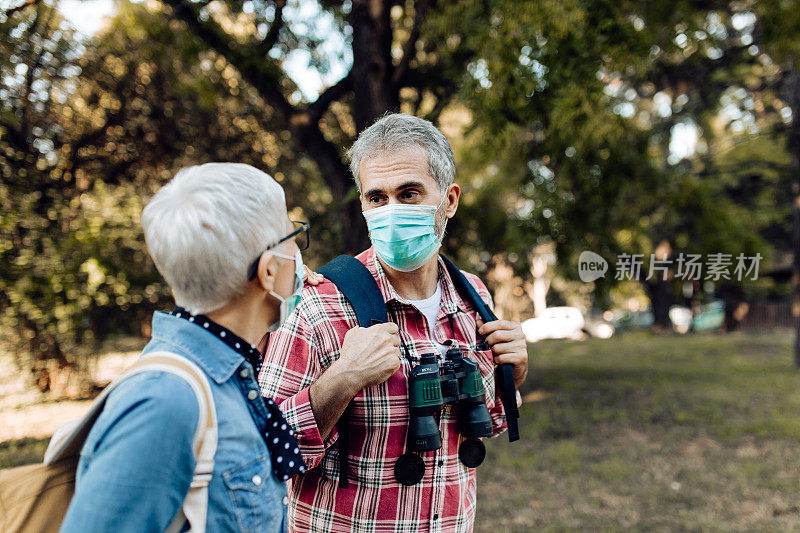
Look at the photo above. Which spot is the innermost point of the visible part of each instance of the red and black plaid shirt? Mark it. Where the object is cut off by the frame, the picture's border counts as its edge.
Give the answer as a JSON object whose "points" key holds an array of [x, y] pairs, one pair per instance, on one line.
{"points": [[304, 347]]}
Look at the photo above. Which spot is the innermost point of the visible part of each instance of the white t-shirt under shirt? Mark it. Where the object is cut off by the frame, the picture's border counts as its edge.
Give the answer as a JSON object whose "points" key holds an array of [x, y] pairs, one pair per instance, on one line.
{"points": [[429, 307]]}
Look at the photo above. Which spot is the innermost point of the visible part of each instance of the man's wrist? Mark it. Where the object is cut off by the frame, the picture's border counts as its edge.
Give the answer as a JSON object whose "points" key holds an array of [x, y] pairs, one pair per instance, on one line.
{"points": [[343, 378]]}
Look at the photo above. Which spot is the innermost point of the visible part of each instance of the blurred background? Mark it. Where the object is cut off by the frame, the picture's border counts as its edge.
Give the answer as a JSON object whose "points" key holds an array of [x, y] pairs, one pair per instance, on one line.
{"points": [[653, 130]]}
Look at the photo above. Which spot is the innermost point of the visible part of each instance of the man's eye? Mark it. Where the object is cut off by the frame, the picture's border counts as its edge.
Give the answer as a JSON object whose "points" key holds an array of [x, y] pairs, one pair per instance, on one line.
{"points": [[409, 195]]}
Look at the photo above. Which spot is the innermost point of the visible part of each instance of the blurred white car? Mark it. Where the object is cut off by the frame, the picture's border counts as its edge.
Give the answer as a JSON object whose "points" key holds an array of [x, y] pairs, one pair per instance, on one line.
{"points": [[555, 323], [599, 329], [681, 318]]}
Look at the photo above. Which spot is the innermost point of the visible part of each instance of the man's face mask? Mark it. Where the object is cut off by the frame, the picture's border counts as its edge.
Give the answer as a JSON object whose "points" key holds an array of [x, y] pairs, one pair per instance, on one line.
{"points": [[289, 303], [404, 235]]}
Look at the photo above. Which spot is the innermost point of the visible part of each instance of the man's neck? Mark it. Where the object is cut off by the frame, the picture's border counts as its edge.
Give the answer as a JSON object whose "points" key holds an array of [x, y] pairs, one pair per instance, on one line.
{"points": [[417, 284]]}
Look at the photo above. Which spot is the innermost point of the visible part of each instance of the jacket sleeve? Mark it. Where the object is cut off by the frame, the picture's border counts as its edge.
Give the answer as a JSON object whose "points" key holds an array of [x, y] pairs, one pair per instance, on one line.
{"points": [[496, 411], [137, 462], [292, 363]]}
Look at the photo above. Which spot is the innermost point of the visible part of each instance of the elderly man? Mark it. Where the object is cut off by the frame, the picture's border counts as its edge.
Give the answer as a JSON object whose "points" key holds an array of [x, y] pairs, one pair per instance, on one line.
{"points": [[220, 237], [315, 365]]}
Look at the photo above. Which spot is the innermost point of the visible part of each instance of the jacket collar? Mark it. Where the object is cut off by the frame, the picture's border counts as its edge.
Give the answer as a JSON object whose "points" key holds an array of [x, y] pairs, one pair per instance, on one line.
{"points": [[202, 347]]}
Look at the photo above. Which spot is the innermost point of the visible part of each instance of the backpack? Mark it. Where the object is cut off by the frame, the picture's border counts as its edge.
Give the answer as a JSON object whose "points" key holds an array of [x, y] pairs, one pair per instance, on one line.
{"points": [[35, 498], [356, 283]]}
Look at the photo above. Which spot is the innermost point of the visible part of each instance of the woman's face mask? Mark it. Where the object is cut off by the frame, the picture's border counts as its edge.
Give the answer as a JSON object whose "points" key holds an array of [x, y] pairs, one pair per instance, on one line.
{"points": [[404, 235], [289, 303]]}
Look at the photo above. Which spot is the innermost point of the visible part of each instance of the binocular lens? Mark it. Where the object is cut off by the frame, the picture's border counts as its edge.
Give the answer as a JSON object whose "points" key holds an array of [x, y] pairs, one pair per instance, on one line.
{"points": [[423, 434]]}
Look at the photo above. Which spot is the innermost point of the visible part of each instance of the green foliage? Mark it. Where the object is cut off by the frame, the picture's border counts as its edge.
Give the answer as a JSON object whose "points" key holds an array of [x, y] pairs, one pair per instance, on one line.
{"points": [[74, 266], [565, 140], [570, 136]]}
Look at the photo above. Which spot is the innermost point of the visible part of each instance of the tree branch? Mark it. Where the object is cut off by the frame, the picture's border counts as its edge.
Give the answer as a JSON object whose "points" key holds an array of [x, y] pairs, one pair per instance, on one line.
{"points": [[265, 76], [20, 7], [272, 35], [318, 107], [410, 47]]}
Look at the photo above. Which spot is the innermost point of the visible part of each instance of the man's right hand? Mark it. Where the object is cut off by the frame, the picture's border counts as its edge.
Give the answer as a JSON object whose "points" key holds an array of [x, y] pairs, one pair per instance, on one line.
{"points": [[369, 356]]}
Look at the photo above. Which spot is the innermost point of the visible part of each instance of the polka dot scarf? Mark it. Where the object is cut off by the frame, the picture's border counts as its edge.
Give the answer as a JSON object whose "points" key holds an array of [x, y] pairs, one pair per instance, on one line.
{"points": [[278, 435]]}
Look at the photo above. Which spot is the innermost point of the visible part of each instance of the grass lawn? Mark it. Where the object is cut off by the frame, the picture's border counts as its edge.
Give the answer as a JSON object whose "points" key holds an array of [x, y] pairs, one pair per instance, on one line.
{"points": [[640, 433], [695, 433]]}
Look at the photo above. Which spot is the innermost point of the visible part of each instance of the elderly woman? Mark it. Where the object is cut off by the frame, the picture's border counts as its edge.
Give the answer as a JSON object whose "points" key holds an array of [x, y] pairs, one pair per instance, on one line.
{"points": [[220, 236]]}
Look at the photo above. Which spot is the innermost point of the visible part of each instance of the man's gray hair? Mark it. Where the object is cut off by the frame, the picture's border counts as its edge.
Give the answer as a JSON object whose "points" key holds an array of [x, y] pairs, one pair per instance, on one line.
{"points": [[207, 226], [398, 130]]}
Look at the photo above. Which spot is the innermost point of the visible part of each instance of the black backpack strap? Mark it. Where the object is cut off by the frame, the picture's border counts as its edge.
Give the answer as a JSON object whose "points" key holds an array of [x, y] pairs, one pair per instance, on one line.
{"points": [[361, 290], [504, 375], [355, 281]]}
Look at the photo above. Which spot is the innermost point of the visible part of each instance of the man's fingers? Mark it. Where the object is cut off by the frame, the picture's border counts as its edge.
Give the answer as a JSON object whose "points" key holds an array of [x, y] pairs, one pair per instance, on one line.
{"points": [[512, 347], [391, 327], [503, 335], [512, 358], [496, 325], [311, 277]]}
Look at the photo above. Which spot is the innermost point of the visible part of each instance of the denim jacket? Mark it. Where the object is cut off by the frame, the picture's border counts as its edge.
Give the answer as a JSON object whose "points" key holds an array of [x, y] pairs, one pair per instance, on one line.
{"points": [[137, 463]]}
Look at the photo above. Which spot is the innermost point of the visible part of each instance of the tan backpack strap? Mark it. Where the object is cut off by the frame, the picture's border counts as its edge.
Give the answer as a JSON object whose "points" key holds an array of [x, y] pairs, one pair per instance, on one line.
{"points": [[69, 438]]}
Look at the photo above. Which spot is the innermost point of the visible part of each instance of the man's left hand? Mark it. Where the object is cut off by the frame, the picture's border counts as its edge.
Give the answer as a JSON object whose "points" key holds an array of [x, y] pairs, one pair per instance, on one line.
{"points": [[508, 346]]}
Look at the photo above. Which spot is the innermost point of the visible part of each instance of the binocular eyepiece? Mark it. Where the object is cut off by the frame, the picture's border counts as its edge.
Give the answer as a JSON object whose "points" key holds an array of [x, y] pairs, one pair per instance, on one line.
{"points": [[430, 387]]}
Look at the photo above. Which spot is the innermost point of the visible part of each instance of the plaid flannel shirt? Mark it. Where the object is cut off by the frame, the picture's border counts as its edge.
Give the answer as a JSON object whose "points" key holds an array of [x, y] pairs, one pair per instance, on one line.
{"points": [[300, 351]]}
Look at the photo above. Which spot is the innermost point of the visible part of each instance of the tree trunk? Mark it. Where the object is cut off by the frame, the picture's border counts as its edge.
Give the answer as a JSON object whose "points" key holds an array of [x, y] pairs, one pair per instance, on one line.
{"points": [[373, 95], [794, 150], [337, 176], [660, 294], [374, 91]]}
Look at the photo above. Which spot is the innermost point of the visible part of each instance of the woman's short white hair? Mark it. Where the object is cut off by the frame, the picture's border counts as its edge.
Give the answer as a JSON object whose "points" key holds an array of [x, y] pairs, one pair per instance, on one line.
{"points": [[394, 131], [206, 227]]}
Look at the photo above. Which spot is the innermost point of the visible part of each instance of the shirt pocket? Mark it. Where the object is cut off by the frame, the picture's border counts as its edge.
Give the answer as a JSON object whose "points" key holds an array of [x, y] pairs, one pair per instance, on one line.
{"points": [[255, 496]]}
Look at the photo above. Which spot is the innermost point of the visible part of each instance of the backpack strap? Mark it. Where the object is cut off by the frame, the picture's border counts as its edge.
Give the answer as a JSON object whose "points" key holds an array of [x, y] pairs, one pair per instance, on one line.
{"points": [[69, 438], [356, 283], [504, 374]]}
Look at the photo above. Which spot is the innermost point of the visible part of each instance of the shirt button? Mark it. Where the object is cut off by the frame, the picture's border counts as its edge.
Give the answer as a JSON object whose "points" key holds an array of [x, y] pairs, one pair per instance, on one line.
{"points": [[436, 517], [245, 372], [441, 462], [285, 500], [252, 395], [256, 480]]}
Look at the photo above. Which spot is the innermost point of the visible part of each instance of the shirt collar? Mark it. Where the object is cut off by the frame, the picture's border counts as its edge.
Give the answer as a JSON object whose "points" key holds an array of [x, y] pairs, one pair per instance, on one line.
{"points": [[451, 300], [235, 342]]}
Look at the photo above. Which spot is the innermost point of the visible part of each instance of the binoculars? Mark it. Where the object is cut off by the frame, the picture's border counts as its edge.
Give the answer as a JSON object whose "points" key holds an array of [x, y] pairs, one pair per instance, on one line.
{"points": [[430, 387]]}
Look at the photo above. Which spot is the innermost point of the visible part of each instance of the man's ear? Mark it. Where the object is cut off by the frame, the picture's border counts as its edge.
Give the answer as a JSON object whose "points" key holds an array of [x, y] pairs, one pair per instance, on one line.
{"points": [[266, 271], [453, 194]]}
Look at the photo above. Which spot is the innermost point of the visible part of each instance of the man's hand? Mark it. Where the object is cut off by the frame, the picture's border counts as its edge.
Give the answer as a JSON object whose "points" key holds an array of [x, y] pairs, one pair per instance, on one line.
{"points": [[311, 277], [370, 355], [508, 346]]}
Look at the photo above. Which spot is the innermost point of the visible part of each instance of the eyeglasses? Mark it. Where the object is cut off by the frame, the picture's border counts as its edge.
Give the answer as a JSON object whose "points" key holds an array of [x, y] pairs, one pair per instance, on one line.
{"points": [[301, 237]]}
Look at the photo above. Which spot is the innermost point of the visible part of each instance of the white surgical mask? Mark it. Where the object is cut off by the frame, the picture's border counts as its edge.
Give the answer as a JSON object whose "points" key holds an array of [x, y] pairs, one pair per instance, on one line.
{"points": [[404, 235], [289, 303]]}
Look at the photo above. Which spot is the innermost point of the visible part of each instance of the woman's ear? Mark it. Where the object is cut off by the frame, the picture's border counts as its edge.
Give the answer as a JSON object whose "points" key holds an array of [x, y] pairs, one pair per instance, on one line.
{"points": [[453, 194], [267, 269]]}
